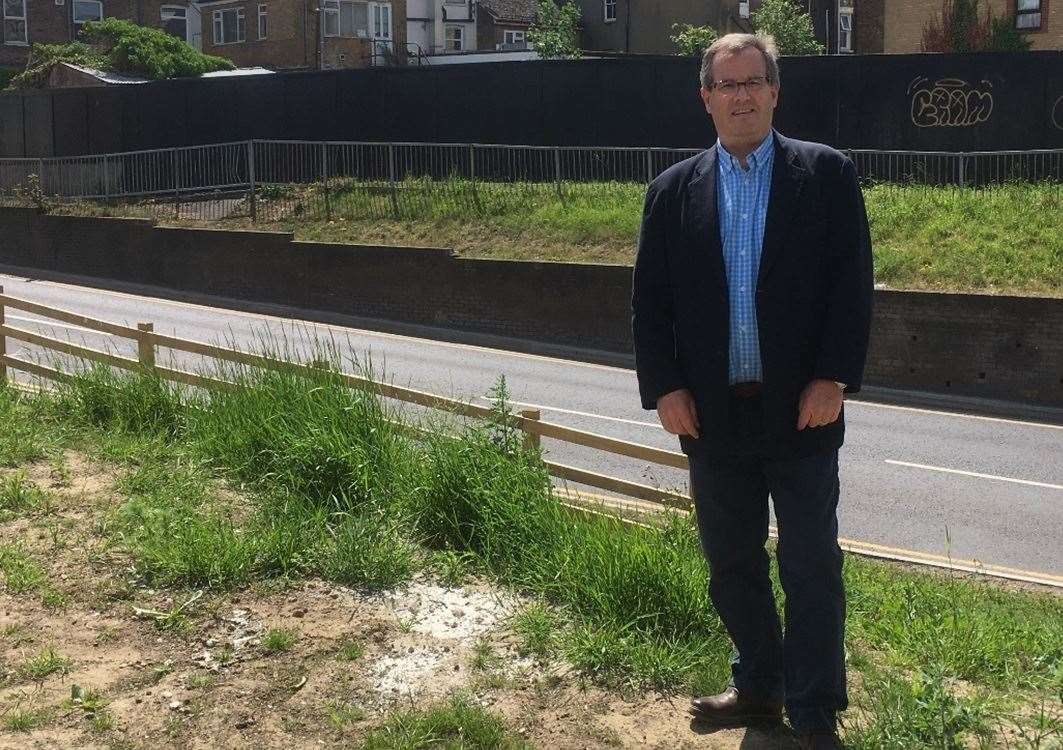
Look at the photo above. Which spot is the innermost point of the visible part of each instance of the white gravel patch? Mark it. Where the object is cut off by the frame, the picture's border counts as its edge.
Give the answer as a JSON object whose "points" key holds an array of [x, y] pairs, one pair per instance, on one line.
{"points": [[406, 673], [444, 623], [449, 613]]}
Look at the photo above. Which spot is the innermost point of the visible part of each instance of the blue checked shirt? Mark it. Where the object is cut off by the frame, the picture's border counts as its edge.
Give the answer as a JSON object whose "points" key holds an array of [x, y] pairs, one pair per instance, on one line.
{"points": [[742, 206]]}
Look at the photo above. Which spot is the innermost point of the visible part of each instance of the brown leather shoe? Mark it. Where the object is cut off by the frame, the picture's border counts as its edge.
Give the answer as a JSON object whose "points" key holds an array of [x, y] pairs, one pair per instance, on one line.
{"points": [[730, 709], [819, 741]]}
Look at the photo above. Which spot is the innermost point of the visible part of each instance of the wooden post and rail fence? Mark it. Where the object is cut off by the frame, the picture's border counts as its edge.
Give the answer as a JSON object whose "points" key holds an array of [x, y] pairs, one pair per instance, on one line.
{"points": [[644, 497], [148, 341]]}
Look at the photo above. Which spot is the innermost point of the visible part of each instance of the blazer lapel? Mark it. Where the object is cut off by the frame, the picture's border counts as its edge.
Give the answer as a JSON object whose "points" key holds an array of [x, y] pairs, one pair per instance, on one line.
{"points": [[787, 180], [702, 221]]}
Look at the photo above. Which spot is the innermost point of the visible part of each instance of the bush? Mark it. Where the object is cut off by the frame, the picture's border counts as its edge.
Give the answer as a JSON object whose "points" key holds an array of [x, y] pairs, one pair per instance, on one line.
{"points": [[693, 40], [123, 47]]}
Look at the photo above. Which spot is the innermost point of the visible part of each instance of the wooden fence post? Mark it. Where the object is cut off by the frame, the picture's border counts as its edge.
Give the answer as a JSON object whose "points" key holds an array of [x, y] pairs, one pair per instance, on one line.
{"points": [[146, 345], [3, 345], [531, 440]]}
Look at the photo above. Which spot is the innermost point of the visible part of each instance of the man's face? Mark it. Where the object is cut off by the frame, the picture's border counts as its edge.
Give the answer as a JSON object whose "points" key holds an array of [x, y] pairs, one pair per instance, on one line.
{"points": [[743, 117]]}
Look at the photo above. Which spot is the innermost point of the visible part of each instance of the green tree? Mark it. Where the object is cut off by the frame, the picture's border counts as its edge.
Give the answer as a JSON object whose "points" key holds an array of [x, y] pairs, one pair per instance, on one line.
{"points": [[555, 31], [692, 40], [789, 25], [118, 46]]}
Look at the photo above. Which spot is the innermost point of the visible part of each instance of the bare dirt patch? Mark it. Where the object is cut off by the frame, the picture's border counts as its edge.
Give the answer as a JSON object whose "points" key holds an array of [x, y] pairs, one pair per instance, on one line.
{"points": [[137, 667]]}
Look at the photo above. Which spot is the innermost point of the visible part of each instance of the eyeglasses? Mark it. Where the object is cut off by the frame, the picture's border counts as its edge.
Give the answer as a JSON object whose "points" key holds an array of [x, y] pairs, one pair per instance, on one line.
{"points": [[753, 85]]}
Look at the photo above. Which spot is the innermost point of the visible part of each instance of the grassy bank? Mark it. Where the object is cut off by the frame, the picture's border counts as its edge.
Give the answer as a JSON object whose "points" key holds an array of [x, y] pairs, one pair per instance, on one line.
{"points": [[1005, 239], [292, 478]]}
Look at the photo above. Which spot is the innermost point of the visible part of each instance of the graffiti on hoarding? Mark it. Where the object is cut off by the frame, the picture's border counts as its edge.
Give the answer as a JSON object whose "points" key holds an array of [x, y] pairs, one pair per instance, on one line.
{"points": [[949, 102]]}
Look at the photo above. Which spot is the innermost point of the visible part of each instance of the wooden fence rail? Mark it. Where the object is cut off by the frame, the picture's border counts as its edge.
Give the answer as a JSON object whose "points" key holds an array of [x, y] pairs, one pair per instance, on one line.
{"points": [[148, 341]]}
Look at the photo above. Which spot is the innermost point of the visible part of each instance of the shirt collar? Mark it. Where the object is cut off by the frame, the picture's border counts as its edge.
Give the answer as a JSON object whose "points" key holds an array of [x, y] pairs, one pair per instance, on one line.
{"points": [[757, 159]]}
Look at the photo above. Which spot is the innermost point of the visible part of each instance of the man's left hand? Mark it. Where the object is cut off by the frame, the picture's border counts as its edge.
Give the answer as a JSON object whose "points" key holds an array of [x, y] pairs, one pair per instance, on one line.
{"points": [[820, 404]]}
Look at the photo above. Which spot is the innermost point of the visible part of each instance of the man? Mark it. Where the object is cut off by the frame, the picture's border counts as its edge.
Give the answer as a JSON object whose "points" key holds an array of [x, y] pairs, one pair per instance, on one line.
{"points": [[751, 313]]}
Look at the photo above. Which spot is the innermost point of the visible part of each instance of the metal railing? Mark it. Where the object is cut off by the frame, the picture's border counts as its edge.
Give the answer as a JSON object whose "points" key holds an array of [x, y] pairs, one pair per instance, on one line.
{"points": [[277, 180]]}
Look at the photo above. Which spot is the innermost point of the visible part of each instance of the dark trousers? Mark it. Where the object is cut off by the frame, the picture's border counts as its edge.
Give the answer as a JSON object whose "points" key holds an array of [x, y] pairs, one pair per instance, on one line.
{"points": [[805, 668]]}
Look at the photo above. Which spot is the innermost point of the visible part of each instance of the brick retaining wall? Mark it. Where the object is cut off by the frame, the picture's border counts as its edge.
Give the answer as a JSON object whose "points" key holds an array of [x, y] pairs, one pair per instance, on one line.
{"points": [[1000, 347]]}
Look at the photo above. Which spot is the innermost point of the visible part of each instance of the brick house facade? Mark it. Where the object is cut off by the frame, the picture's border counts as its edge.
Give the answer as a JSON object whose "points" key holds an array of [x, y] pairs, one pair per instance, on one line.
{"points": [[27, 22], [288, 34], [896, 26]]}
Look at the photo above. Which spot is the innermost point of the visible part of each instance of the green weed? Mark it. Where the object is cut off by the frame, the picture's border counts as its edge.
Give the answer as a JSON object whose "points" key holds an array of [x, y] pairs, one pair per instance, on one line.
{"points": [[17, 495], [21, 572], [278, 640], [350, 650], [454, 724], [25, 720], [46, 663]]}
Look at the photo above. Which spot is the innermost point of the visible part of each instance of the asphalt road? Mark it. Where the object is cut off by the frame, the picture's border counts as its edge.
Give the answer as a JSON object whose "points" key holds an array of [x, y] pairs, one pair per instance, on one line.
{"points": [[970, 487]]}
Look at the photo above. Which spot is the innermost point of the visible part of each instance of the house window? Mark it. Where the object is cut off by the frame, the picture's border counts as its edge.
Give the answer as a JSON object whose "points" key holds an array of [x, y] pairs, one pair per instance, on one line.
{"points": [[262, 22], [175, 21], [453, 38], [1028, 14], [514, 37], [610, 10], [381, 13], [84, 11], [14, 21], [743, 8], [845, 30], [346, 18], [229, 26]]}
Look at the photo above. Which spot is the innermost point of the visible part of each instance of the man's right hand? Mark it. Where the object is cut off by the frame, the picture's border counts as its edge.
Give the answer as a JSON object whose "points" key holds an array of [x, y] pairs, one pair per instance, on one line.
{"points": [[678, 414]]}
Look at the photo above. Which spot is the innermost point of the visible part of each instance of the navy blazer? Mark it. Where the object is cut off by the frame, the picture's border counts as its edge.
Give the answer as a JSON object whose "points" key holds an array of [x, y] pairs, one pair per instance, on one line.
{"points": [[813, 293]]}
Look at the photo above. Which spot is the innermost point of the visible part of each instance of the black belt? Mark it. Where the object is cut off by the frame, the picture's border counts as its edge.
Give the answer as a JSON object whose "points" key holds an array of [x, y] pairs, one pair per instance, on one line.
{"points": [[746, 390]]}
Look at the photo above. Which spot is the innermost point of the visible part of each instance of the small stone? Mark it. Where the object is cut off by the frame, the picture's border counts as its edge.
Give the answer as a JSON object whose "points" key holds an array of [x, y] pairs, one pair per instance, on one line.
{"points": [[243, 723], [174, 705], [167, 695], [300, 612], [211, 643]]}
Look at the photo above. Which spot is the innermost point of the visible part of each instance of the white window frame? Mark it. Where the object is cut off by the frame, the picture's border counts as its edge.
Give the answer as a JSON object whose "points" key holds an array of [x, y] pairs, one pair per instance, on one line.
{"points": [[448, 29], [219, 25], [15, 42], [176, 11], [263, 24], [1035, 14], [743, 8], [74, 10], [330, 16], [334, 19], [609, 10], [514, 37], [377, 14], [845, 30]]}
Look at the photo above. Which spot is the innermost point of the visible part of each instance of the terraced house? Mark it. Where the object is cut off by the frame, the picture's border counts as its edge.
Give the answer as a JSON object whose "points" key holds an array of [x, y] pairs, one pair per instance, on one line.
{"points": [[29, 22], [305, 34]]}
